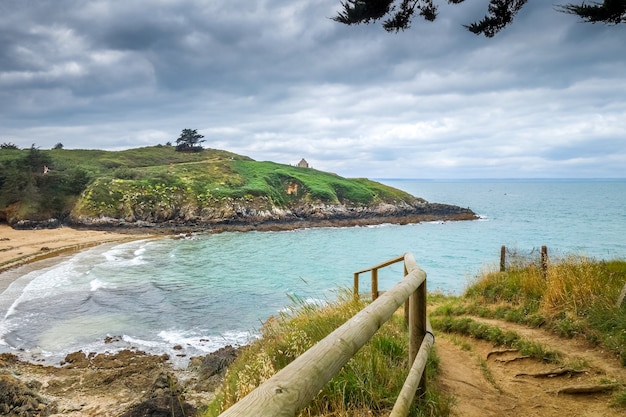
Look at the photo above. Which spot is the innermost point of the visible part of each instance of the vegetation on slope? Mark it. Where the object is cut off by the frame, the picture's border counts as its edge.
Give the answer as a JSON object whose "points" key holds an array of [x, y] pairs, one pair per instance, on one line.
{"points": [[157, 183], [367, 385], [578, 299]]}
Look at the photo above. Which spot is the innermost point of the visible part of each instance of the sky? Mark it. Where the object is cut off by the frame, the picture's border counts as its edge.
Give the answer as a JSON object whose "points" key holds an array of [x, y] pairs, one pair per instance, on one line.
{"points": [[279, 80]]}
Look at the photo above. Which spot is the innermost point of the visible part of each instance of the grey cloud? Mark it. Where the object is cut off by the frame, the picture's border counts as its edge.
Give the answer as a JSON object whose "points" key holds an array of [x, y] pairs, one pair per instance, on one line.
{"points": [[279, 80]]}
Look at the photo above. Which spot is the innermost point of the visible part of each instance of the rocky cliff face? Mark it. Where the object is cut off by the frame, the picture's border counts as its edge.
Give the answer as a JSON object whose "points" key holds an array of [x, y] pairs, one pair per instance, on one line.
{"points": [[260, 213]]}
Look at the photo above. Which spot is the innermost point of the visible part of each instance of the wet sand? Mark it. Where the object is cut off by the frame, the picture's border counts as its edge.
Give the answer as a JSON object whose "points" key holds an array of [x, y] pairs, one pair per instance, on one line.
{"points": [[18, 247]]}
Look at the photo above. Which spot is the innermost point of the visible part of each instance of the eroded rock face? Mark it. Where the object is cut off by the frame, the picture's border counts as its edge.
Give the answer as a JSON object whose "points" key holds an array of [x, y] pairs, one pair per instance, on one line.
{"points": [[234, 215], [20, 399]]}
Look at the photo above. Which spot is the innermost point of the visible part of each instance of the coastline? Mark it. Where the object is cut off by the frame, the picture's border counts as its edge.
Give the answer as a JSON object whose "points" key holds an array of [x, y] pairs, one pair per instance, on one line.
{"points": [[127, 382], [25, 245], [19, 247]]}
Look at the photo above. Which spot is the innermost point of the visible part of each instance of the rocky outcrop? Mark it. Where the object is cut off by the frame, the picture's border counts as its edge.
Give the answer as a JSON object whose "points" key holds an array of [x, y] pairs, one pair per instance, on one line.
{"points": [[261, 215], [128, 383]]}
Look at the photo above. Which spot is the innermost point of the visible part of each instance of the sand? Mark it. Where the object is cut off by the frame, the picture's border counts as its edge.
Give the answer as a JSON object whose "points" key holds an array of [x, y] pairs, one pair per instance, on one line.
{"points": [[18, 247]]}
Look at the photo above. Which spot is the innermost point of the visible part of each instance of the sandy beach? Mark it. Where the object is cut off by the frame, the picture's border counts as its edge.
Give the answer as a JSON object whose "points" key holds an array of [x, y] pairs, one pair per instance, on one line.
{"points": [[123, 383], [18, 247]]}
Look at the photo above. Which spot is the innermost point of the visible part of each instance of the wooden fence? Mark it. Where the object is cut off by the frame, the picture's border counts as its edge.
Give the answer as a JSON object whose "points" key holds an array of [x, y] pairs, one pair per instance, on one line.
{"points": [[293, 387], [544, 260]]}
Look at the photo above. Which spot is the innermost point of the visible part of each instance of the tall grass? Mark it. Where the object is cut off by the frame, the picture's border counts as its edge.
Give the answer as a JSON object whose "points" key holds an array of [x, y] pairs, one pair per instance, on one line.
{"points": [[369, 382], [577, 297]]}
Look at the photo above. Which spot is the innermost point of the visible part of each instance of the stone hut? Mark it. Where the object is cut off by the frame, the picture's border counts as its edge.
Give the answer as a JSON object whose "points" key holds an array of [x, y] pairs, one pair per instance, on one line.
{"points": [[303, 163]]}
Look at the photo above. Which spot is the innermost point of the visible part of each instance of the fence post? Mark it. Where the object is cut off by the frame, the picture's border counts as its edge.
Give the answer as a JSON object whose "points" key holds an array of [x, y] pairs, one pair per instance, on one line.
{"points": [[502, 258], [544, 262], [356, 285], [293, 387], [406, 303], [417, 326], [374, 284]]}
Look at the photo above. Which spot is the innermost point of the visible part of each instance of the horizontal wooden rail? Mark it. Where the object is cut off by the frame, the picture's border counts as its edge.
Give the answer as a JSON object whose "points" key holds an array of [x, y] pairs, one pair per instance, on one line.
{"points": [[293, 387], [383, 264], [415, 379], [374, 270]]}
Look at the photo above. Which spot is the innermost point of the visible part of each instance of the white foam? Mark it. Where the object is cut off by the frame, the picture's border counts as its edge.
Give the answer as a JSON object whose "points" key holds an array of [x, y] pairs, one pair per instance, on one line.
{"points": [[96, 284], [141, 342], [206, 344], [43, 285], [126, 254]]}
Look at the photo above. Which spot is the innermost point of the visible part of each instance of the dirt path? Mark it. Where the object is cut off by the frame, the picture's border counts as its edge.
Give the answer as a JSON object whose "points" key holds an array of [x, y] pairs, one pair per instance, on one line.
{"points": [[488, 381]]}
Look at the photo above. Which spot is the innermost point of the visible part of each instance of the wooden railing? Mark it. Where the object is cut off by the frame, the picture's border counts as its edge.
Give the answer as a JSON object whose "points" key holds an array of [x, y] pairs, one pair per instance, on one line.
{"points": [[293, 387]]}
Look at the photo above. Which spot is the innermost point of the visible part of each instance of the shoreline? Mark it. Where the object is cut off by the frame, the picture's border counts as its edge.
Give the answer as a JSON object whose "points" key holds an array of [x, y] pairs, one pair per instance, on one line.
{"points": [[20, 247]]}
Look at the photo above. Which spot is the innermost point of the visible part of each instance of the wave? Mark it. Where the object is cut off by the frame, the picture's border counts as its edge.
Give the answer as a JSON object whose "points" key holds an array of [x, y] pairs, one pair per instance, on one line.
{"points": [[126, 254], [205, 343]]}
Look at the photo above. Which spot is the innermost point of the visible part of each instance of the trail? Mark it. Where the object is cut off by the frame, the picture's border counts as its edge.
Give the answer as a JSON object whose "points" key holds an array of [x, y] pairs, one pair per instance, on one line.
{"points": [[488, 381]]}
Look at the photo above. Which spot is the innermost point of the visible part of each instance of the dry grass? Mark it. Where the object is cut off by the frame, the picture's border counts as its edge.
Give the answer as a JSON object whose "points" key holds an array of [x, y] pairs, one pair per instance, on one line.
{"points": [[368, 384]]}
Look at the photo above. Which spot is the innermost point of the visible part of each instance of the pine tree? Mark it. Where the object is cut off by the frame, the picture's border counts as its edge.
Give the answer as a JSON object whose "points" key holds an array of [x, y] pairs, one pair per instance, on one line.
{"points": [[189, 141]]}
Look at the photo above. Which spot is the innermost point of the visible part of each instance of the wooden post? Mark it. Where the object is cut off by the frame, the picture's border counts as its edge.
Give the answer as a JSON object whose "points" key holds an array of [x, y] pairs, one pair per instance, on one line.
{"points": [[356, 285], [544, 262], [503, 258], [406, 303], [416, 377], [422, 319], [293, 387], [374, 284]]}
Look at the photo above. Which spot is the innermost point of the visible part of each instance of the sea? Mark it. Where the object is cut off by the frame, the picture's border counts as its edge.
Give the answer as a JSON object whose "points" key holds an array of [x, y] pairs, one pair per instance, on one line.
{"points": [[191, 295]]}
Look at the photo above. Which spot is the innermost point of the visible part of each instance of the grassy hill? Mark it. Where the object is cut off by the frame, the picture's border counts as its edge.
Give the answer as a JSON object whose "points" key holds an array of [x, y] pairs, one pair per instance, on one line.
{"points": [[158, 184]]}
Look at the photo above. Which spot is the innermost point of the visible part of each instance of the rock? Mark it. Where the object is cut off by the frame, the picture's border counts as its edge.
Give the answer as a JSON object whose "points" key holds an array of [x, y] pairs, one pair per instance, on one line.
{"points": [[213, 363], [16, 399], [76, 360], [165, 399]]}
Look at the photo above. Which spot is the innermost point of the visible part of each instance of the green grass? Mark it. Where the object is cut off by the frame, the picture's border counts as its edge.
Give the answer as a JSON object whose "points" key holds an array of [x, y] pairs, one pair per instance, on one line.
{"points": [[577, 298], [371, 380], [265, 178], [155, 183]]}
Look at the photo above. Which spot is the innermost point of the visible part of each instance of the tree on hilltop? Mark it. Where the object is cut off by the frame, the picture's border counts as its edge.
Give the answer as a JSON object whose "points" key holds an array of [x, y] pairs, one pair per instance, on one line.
{"points": [[189, 141], [400, 13]]}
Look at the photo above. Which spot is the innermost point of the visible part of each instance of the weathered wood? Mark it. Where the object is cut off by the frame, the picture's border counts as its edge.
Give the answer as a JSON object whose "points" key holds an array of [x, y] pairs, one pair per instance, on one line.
{"points": [[375, 294], [503, 258], [374, 284], [414, 379], [544, 262], [382, 265], [417, 315], [406, 303], [293, 387]]}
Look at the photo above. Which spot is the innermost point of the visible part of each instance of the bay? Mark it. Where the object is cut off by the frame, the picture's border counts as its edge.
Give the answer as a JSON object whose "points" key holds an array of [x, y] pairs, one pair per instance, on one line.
{"points": [[192, 296]]}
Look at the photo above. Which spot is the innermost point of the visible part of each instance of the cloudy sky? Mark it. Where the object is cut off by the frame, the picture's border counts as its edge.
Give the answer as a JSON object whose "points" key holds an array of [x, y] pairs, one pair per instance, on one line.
{"points": [[279, 80]]}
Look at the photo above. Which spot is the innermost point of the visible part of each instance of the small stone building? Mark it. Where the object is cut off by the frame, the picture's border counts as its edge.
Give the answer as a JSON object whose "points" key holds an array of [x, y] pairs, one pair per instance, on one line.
{"points": [[303, 163]]}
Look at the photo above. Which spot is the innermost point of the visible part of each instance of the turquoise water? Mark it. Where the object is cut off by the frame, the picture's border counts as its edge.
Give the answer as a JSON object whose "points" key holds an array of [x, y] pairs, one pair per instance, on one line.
{"points": [[212, 290]]}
